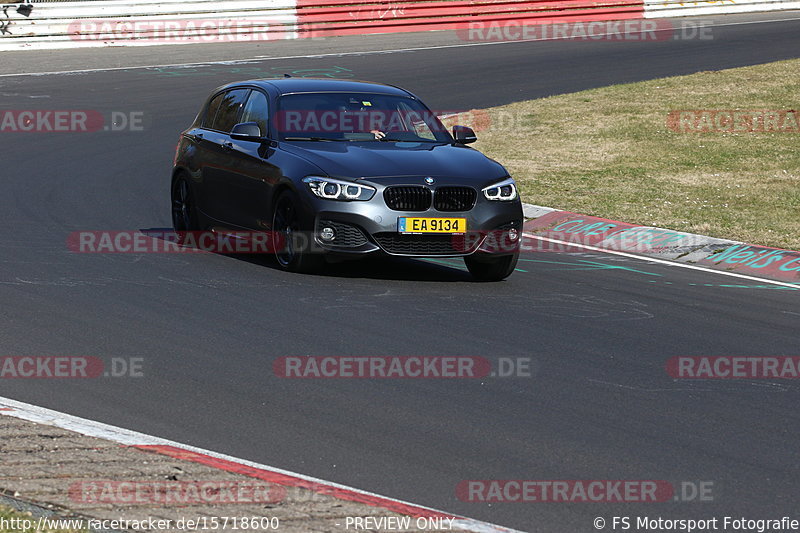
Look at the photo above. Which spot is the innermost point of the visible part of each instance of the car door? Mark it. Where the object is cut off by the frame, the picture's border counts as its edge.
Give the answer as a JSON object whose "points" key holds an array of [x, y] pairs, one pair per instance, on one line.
{"points": [[199, 152], [221, 160], [251, 181]]}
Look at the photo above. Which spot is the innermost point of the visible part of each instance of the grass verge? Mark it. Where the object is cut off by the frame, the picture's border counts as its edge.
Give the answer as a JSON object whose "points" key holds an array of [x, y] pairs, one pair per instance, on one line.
{"points": [[609, 152]]}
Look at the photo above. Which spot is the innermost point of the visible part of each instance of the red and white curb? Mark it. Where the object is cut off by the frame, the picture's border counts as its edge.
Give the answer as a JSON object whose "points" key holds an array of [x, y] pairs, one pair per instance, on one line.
{"points": [[566, 229], [134, 439]]}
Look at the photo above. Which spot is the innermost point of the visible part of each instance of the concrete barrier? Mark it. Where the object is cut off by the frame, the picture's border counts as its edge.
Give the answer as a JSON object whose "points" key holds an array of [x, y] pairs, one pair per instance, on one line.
{"points": [[67, 23], [146, 22], [356, 17], [677, 8]]}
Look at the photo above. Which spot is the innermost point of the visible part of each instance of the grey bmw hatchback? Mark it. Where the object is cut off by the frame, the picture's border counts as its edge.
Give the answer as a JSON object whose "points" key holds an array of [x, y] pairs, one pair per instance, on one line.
{"points": [[343, 168]]}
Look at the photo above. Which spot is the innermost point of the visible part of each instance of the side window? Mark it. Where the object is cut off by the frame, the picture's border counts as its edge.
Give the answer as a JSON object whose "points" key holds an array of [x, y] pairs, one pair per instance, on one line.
{"points": [[213, 107], [257, 111], [228, 110]]}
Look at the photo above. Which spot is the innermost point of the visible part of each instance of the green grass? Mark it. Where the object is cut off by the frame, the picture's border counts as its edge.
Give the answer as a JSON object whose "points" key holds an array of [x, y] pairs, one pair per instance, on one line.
{"points": [[608, 152]]}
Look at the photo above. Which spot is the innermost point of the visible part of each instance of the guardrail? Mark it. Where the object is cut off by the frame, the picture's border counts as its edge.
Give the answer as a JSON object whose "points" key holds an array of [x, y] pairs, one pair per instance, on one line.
{"points": [[69, 23], [677, 8], [355, 17], [63, 24]]}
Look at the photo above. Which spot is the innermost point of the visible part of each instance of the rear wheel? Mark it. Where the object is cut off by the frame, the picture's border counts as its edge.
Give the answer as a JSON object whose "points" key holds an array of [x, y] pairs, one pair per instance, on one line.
{"points": [[292, 238], [485, 267]]}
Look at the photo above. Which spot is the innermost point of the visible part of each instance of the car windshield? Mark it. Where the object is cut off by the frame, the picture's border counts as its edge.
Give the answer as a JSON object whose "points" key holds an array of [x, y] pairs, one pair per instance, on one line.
{"points": [[335, 116]]}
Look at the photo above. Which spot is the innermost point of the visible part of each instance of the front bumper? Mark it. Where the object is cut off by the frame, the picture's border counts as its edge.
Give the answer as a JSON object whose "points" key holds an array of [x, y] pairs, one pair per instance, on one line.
{"points": [[364, 227]]}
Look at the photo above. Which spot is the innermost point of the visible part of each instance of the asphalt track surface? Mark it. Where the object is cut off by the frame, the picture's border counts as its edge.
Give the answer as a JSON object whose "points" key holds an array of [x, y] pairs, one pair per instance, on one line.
{"points": [[598, 328]]}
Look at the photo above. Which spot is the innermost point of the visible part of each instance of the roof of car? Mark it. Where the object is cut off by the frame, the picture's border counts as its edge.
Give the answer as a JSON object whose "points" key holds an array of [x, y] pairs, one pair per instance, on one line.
{"points": [[300, 85]]}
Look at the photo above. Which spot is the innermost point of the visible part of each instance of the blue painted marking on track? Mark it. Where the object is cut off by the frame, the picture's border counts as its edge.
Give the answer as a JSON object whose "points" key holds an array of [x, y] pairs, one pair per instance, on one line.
{"points": [[585, 264], [459, 264], [733, 286]]}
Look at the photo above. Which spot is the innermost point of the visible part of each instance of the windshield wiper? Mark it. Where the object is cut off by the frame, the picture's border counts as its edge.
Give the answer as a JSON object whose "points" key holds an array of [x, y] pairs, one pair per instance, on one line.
{"points": [[323, 139], [386, 139]]}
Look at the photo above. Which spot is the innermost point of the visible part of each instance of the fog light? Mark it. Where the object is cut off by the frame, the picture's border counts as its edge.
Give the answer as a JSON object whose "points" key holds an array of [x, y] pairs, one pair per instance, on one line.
{"points": [[513, 235], [327, 234]]}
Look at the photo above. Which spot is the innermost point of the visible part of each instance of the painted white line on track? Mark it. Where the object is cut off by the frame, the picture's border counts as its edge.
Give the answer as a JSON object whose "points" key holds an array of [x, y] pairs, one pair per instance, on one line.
{"points": [[42, 415], [663, 261], [259, 59]]}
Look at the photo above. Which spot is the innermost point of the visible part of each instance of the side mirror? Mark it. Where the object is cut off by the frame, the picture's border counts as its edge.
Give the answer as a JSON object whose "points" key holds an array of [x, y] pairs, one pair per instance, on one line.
{"points": [[464, 135], [246, 131]]}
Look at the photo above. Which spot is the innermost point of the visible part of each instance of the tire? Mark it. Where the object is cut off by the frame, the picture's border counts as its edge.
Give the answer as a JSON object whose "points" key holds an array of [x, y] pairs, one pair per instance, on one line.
{"points": [[484, 267], [288, 224], [184, 216]]}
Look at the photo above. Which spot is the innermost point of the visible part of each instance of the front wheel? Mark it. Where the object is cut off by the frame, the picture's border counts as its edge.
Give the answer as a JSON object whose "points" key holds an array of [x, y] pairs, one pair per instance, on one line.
{"points": [[292, 240], [484, 267], [184, 217]]}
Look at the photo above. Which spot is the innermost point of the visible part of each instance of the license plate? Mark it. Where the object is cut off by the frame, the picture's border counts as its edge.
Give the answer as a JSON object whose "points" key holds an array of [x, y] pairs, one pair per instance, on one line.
{"points": [[431, 225]]}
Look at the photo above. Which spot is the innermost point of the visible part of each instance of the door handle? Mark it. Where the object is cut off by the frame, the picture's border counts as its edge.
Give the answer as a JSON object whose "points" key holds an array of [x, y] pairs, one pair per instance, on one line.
{"points": [[228, 145]]}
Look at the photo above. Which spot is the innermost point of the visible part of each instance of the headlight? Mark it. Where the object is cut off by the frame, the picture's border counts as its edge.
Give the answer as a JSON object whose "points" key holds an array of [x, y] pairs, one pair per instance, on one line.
{"points": [[504, 191], [332, 189]]}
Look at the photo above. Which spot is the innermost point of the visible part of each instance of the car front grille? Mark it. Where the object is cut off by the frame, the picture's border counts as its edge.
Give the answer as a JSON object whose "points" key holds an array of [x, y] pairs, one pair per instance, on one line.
{"points": [[346, 234], [400, 244], [408, 198], [454, 198]]}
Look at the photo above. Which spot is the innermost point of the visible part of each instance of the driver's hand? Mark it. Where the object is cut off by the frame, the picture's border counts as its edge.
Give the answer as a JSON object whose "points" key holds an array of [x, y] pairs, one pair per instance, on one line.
{"points": [[378, 134]]}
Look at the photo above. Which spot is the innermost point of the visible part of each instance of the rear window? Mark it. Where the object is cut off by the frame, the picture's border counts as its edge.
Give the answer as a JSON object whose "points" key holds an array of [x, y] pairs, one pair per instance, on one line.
{"points": [[211, 112], [224, 109]]}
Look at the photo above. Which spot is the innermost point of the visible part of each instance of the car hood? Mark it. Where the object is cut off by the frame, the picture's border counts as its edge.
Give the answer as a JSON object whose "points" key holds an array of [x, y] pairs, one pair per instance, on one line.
{"points": [[390, 159]]}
